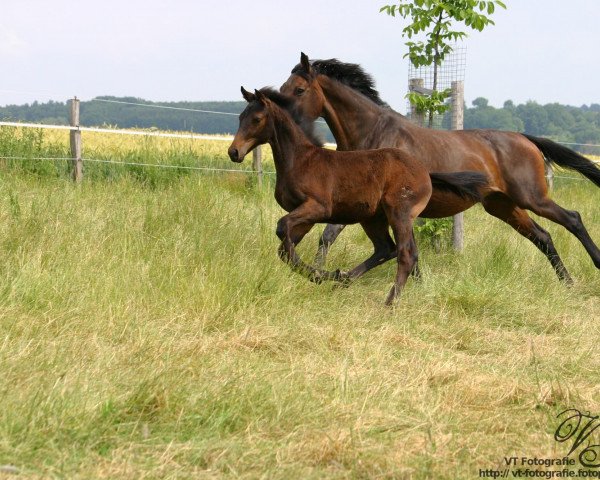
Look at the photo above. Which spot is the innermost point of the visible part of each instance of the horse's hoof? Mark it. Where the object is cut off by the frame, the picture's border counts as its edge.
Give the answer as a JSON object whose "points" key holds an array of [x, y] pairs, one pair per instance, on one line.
{"points": [[319, 261], [316, 277], [566, 280], [342, 279]]}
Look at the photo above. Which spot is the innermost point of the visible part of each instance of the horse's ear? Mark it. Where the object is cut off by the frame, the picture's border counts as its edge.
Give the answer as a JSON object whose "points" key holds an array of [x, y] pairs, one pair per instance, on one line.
{"points": [[249, 97], [304, 62], [260, 97]]}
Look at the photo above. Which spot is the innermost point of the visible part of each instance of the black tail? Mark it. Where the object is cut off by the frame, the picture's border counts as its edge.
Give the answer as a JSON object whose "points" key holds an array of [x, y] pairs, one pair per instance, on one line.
{"points": [[567, 158], [464, 184]]}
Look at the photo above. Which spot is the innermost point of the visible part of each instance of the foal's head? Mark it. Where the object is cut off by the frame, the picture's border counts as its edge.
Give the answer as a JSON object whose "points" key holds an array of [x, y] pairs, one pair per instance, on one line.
{"points": [[257, 121], [255, 126]]}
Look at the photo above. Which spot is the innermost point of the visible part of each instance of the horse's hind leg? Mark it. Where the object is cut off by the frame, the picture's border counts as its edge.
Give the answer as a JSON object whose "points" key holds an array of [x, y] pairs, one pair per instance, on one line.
{"points": [[384, 247], [400, 218], [406, 253], [569, 219], [416, 271], [329, 235], [502, 207]]}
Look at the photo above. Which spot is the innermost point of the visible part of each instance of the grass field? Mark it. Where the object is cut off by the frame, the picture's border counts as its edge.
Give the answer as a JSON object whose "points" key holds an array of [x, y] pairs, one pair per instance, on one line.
{"points": [[148, 330]]}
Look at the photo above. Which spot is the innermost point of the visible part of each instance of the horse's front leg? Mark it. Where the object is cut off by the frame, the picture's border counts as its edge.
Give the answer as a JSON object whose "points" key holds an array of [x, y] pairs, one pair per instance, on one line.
{"points": [[291, 229], [329, 235]]}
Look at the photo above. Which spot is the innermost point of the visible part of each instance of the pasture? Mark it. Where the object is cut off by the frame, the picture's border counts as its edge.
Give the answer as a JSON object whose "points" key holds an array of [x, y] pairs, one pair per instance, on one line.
{"points": [[148, 330]]}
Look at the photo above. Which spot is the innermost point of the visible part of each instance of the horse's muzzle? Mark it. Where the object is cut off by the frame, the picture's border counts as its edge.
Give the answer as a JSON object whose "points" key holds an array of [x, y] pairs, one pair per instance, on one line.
{"points": [[234, 155]]}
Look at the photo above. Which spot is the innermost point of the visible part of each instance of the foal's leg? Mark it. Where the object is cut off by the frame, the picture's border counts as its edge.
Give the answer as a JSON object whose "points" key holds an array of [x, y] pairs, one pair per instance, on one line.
{"points": [[329, 235], [291, 229], [502, 207], [385, 249], [406, 252], [416, 271]]}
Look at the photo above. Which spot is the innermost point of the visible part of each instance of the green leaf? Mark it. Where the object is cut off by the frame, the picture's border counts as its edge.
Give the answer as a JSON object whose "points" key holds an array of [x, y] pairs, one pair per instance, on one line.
{"points": [[434, 19]]}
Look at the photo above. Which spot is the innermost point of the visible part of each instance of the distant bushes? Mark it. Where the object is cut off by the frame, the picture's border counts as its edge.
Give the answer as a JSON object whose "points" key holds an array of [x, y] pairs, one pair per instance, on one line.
{"points": [[560, 122]]}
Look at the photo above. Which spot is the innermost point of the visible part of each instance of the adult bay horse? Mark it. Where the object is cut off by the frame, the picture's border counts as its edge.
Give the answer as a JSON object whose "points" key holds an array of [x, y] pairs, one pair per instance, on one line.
{"points": [[376, 188], [345, 96]]}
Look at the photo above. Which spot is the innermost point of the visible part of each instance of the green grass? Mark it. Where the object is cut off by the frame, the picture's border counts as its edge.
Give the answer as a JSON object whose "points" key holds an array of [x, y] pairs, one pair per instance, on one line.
{"points": [[148, 330]]}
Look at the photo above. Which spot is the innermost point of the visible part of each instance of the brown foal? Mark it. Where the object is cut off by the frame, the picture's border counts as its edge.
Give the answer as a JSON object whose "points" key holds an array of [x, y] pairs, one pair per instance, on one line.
{"points": [[376, 188]]}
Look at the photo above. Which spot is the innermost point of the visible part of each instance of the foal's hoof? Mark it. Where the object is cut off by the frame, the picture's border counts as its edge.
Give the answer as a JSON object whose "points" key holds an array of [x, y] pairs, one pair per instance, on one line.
{"points": [[317, 276], [567, 281], [342, 279]]}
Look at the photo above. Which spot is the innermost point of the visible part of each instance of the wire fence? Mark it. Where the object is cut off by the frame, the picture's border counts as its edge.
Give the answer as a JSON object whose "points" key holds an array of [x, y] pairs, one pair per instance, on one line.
{"points": [[137, 164], [116, 131], [165, 107], [188, 136]]}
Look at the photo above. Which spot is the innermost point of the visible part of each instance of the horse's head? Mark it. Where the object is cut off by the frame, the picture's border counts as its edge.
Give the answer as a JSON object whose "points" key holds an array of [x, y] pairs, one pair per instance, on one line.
{"points": [[255, 128], [303, 86]]}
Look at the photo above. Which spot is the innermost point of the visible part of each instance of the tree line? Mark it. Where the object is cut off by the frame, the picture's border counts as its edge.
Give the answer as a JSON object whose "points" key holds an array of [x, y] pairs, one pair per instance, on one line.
{"points": [[560, 122]]}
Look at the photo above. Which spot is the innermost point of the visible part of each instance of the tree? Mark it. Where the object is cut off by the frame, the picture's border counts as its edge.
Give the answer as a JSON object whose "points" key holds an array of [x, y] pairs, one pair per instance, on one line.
{"points": [[480, 102], [534, 116], [435, 19], [482, 115]]}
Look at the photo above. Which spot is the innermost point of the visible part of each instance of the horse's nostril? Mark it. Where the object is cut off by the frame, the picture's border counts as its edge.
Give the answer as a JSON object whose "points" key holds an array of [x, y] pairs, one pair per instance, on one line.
{"points": [[233, 153]]}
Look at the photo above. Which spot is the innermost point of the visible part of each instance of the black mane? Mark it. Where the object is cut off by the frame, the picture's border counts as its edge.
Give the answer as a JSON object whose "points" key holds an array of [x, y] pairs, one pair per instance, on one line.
{"points": [[288, 104], [350, 74]]}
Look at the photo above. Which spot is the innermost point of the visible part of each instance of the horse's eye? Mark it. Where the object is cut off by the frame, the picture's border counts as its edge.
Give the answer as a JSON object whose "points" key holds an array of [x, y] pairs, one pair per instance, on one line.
{"points": [[298, 91], [256, 120]]}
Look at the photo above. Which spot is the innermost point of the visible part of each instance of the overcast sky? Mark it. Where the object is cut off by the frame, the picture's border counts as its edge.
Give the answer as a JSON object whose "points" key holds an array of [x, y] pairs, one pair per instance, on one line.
{"points": [[542, 50]]}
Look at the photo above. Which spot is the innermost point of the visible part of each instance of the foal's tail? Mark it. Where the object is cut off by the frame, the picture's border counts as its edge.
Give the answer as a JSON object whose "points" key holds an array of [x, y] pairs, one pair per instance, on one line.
{"points": [[565, 157], [467, 185]]}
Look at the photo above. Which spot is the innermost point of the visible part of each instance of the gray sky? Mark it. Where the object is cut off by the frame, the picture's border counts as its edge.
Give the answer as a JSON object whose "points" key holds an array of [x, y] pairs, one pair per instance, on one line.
{"points": [[542, 50]]}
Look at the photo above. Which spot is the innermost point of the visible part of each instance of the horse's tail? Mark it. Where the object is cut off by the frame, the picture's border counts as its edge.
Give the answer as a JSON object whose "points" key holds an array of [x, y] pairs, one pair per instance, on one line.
{"points": [[565, 157], [467, 185]]}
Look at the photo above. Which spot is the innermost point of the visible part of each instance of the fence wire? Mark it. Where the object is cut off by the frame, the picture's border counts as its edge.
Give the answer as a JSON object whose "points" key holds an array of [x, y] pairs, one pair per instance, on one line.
{"points": [[190, 136], [185, 167], [140, 164]]}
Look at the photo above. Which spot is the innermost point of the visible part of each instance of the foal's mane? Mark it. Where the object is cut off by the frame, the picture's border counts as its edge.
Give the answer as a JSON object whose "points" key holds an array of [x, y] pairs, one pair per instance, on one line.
{"points": [[286, 103], [350, 74]]}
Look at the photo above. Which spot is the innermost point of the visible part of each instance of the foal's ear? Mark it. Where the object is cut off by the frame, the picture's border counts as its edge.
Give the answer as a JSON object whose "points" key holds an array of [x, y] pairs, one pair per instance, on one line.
{"points": [[258, 95], [304, 62], [249, 97]]}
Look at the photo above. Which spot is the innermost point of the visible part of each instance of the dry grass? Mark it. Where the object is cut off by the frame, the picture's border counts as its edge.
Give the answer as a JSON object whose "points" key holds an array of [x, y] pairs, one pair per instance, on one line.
{"points": [[148, 330]]}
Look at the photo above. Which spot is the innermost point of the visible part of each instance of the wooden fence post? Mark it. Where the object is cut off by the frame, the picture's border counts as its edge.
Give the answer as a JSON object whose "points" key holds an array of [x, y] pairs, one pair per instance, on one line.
{"points": [[549, 175], [416, 117], [457, 122], [75, 137], [257, 164]]}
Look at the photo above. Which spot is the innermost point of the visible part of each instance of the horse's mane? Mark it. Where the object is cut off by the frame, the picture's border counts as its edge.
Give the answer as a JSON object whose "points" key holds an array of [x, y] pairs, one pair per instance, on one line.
{"points": [[350, 74], [287, 103]]}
